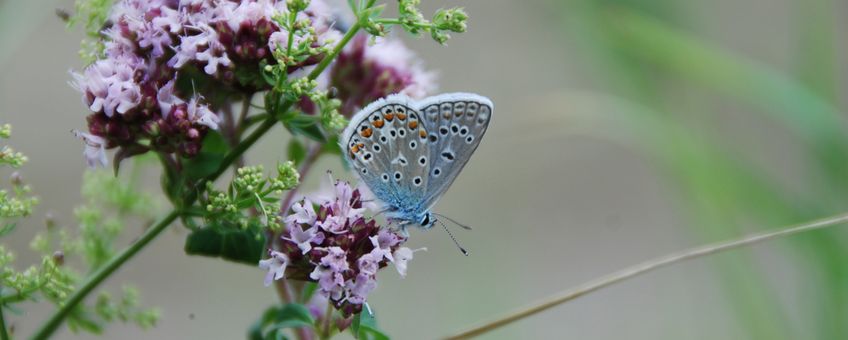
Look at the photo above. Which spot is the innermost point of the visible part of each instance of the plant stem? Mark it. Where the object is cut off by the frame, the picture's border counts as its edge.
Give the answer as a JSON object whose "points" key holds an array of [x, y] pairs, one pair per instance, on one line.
{"points": [[101, 274], [284, 289], [646, 267], [328, 316], [245, 109], [4, 334]]}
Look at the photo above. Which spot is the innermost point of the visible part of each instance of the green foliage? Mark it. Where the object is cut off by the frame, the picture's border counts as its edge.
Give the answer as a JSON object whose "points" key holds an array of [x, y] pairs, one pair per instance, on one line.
{"points": [[412, 20], [17, 203], [251, 191], [92, 14], [229, 242], [364, 326], [54, 280], [276, 319]]}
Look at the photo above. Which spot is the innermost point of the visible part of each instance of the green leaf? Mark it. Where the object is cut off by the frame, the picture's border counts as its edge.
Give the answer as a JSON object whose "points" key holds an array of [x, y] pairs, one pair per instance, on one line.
{"points": [[308, 290], [277, 318], [297, 152], [227, 242], [7, 228], [209, 159], [364, 326], [332, 146]]}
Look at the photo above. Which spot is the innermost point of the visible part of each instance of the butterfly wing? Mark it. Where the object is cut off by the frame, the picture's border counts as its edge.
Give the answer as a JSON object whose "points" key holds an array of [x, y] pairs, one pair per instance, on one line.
{"points": [[384, 143], [455, 123]]}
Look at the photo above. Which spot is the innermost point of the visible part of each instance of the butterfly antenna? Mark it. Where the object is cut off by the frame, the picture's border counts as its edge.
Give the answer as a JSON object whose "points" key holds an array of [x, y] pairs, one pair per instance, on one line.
{"points": [[463, 226], [453, 238]]}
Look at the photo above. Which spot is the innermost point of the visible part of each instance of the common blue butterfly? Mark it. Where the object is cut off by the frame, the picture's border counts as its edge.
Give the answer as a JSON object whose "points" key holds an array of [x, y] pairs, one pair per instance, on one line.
{"points": [[409, 152]]}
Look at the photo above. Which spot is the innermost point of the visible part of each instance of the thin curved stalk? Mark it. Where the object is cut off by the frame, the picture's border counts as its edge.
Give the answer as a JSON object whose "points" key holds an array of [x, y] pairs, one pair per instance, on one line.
{"points": [[646, 267]]}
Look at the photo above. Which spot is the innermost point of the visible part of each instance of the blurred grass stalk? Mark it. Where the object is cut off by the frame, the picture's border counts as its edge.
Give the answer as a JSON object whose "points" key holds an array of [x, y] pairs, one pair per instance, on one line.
{"points": [[637, 53]]}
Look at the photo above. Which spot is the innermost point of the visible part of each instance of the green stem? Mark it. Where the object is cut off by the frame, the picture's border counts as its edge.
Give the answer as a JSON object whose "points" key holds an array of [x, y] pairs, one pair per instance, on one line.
{"points": [[114, 263], [4, 334], [101, 274], [649, 266]]}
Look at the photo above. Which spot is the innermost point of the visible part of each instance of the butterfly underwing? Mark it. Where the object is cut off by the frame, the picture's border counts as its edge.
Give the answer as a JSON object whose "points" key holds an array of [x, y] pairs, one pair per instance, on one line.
{"points": [[409, 152]]}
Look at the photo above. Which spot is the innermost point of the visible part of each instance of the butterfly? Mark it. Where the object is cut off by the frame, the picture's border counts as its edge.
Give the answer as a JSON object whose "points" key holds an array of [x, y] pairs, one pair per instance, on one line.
{"points": [[409, 152]]}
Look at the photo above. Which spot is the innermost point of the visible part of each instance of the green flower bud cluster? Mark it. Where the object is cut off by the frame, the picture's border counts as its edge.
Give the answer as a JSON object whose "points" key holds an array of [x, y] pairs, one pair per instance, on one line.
{"points": [[252, 195], [444, 21]]}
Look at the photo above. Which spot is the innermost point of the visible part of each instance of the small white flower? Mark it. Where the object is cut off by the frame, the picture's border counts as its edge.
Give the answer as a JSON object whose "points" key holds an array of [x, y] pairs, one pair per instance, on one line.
{"points": [[276, 266], [95, 148], [402, 256]]}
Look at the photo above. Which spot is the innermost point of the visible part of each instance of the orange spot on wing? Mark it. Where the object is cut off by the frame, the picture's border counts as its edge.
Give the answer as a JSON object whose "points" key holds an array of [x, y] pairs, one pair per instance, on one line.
{"points": [[354, 149], [458, 113], [413, 124], [422, 133], [446, 114], [401, 116], [379, 123], [366, 132], [389, 116]]}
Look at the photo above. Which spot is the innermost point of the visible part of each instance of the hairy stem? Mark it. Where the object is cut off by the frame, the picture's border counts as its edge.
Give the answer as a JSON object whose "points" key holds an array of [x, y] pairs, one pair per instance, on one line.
{"points": [[646, 267]]}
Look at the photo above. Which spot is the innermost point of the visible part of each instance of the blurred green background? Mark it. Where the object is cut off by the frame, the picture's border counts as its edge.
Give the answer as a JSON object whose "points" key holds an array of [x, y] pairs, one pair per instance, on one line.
{"points": [[624, 130]]}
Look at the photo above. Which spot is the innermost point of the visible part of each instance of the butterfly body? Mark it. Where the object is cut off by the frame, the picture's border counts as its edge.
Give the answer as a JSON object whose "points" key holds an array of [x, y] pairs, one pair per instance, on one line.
{"points": [[409, 152]]}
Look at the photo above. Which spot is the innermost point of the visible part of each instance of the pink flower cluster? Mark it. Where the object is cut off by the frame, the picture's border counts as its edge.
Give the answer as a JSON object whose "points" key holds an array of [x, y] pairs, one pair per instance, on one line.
{"points": [[161, 55], [366, 72], [170, 65], [337, 247]]}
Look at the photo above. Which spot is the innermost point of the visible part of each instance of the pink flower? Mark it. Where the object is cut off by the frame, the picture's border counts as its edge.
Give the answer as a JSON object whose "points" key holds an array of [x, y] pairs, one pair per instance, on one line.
{"points": [[276, 266], [364, 73], [360, 288], [305, 238], [345, 258], [201, 114], [95, 150], [402, 256], [304, 213]]}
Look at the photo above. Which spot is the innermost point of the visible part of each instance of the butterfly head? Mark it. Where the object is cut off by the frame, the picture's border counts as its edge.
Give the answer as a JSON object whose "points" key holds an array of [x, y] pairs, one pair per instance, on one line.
{"points": [[427, 221]]}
